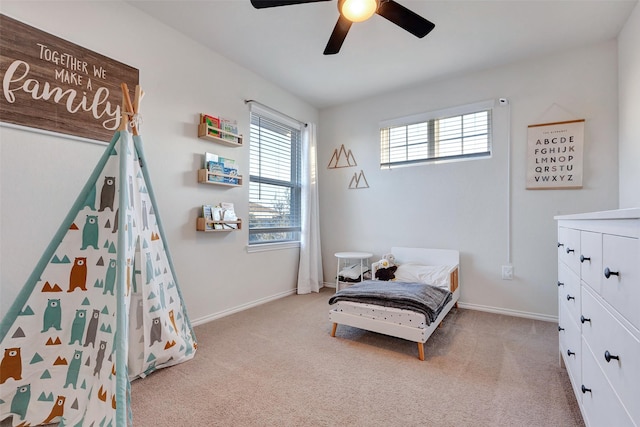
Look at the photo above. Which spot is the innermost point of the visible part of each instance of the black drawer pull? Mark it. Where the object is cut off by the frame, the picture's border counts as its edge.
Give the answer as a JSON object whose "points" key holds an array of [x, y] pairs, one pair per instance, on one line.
{"points": [[560, 328], [569, 297], [569, 250], [608, 273], [560, 283], [584, 389], [560, 244], [584, 319], [584, 258], [570, 353], [608, 356]]}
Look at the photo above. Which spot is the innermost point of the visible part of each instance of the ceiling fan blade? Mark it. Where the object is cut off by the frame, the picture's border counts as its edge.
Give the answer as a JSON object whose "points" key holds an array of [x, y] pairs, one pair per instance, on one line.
{"points": [[261, 4], [337, 36], [405, 18]]}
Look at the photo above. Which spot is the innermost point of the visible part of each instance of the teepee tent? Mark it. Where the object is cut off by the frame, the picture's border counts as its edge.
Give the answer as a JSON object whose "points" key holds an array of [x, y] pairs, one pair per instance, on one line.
{"points": [[102, 307]]}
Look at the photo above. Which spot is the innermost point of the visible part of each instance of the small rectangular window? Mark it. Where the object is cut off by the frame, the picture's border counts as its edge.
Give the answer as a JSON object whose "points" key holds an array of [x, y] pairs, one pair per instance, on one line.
{"points": [[459, 133], [274, 184]]}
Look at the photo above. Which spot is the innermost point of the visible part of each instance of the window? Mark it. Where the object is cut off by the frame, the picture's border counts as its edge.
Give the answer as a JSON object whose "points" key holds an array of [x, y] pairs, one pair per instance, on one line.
{"points": [[458, 133], [274, 183]]}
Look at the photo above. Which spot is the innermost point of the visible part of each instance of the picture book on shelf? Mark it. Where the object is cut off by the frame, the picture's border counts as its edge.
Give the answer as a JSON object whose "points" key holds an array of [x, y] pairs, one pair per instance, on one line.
{"points": [[213, 125], [207, 213], [227, 162], [230, 128], [223, 169], [209, 157], [217, 216], [228, 213], [231, 176], [216, 170]]}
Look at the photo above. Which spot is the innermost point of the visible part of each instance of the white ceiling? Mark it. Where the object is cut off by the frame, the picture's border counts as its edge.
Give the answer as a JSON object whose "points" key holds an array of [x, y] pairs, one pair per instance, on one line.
{"points": [[285, 44]]}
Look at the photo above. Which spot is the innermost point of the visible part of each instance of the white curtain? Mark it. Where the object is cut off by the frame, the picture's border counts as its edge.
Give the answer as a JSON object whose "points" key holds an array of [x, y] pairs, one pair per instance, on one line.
{"points": [[310, 268]]}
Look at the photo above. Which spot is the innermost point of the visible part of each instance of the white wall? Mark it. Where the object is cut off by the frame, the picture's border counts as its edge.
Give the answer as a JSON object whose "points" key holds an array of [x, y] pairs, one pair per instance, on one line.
{"points": [[456, 205], [464, 205], [629, 94], [41, 175]]}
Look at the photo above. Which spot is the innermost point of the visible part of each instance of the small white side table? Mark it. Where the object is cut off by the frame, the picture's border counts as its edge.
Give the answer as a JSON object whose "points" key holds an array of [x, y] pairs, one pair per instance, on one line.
{"points": [[345, 257]]}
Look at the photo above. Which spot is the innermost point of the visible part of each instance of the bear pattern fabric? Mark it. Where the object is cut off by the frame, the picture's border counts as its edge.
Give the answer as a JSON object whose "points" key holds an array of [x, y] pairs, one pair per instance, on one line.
{"points": [[107, 297]]}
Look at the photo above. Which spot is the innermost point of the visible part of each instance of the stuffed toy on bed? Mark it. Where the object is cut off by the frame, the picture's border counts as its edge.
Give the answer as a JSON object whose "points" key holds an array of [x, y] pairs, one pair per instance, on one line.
{"points": [[385, 268]]}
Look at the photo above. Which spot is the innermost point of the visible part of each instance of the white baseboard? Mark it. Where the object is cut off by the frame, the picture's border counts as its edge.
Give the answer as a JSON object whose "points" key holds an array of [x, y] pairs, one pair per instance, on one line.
{"points": [[508, 312], [242, 307], [468, 306]]}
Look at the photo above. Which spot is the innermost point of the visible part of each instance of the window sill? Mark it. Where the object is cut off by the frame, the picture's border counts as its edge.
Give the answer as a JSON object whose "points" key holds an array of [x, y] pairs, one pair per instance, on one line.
{"points": [[272, 246]]}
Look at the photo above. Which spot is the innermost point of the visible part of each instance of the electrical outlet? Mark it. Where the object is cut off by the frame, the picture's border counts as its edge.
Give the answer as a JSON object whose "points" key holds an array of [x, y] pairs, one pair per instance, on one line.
{"points": [[507, 272]]}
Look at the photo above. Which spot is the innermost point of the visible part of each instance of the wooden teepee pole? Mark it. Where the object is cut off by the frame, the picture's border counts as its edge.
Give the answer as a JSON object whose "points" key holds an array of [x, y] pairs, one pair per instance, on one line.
{"points": [[131, 109]]}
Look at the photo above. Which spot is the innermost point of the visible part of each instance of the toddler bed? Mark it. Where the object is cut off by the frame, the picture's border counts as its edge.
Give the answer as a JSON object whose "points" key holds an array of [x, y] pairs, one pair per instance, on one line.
{"points": [[390, 314]]}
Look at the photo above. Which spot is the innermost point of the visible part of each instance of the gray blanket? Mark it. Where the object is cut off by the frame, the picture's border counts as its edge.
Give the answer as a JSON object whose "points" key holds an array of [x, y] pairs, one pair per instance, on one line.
{"points": [[426, 299]]}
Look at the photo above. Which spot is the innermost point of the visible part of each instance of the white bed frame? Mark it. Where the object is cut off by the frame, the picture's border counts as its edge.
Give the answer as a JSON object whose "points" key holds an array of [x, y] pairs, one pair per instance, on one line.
{"points": [[417, 334]]}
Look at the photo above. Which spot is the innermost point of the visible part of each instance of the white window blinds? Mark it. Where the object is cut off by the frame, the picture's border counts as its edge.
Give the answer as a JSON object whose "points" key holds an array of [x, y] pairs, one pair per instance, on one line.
{"points": [[458, 133], [274, 185]]}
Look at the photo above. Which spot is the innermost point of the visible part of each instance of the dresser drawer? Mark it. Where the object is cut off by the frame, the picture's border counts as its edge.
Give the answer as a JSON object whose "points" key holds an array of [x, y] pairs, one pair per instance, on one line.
{"points": [[570, 348], [591, 259], [569, 247], [566, 320], [604, 335], [569, 290], [621, 255], [600, 404]]}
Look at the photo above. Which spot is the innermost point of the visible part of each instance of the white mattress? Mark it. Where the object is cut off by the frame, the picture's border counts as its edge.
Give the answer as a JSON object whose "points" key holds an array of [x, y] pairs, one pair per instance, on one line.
{"points": [[436, 275]]}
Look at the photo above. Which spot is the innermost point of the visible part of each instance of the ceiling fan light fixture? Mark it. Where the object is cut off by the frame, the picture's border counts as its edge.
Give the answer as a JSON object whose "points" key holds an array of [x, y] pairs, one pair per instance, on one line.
{"points": [[358, 10]]}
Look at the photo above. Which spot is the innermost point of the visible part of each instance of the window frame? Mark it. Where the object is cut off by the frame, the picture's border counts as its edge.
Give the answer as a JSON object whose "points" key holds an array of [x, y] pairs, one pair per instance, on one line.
{"points": [[428, 119], [294, 185]]}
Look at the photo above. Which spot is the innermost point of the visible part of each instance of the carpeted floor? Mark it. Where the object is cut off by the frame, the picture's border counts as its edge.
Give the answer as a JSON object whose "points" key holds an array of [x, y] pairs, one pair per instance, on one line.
{"points": [[277, 365]]}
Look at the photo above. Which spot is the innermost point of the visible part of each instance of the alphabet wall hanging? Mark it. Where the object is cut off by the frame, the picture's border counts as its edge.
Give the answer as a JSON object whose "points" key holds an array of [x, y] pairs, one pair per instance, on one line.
{"points": [[554, 155]]}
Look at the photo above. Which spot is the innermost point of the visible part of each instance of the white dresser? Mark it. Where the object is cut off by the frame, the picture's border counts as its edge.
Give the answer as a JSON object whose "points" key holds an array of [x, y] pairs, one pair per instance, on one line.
{"points": [[599, 313]]}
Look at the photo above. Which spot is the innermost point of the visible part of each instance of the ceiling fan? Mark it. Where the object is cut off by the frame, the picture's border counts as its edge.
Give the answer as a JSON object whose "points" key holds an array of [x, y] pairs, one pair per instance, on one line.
{"points": [[360, 10]]}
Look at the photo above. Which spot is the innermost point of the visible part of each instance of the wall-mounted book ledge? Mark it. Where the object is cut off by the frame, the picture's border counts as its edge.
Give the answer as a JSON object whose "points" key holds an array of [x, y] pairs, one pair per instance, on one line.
{"points": [[229, 180], [208, 130], [208, 225]]}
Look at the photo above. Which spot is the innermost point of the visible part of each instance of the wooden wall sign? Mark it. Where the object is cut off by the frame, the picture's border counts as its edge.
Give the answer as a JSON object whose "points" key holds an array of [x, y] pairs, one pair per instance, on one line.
{"points": [[51, 84], [554, 155]]}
